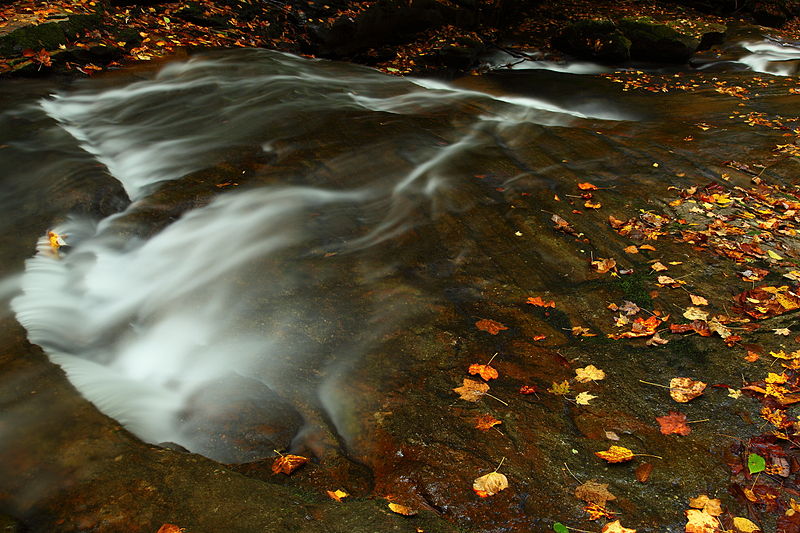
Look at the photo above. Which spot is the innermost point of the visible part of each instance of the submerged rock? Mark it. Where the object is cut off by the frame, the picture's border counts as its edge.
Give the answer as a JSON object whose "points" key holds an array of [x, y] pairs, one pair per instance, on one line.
{"points": [[598, 40], [652, 41]]}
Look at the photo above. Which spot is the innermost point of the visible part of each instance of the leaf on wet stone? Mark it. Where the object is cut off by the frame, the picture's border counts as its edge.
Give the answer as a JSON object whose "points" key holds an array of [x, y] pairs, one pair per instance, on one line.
{"points": [[667, 281], [743, 525], [485, 371], [594, 492], [539, 302], [756, 463], [527, 389], [616, 527], [490, 326], [562, 225], [656, 340], [615, 454], [698, 300], [586, 186], [579, 331], [472, 390], [589, 373], [675, 423], [631, 249], [695, 313], [603, 265], [597, 512], [643, 472], [337, 494], [592, 205], [647, 247], [490, 484], [559, 389], [170, 528], [401, 509], [486, 422], [558, 527], [712, 506], [584, 398], [683, 390], [700, 522], [658, 267], [286, 464], [55, 240], [782, 331]]}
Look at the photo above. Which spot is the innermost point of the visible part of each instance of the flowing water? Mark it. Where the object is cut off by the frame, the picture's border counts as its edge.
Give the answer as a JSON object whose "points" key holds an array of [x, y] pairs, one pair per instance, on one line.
{"points": [[279, 218]]}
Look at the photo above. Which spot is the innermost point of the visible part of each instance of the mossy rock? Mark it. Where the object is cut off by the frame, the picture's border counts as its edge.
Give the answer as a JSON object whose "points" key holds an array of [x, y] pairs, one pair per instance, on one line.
{"points": [[48, 35], [597, 40], [652, 41]]}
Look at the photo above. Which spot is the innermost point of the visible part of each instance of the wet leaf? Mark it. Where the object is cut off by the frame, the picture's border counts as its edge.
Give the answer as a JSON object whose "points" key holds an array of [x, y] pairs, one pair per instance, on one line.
{"points": [[592, 205], [589, 373], [558, 527], [584, 398], [700, 522], [401, 509], [471, 390], [527, 389], [643, 472], [485, 371], [563, 225], [782, 331], [337, 494], [579, 331], [603, 265], [658, 267], [597, 512], [486, 422], [594, 492], [490, 326], [656, 340], [537, 301], [615, 454], [170, 528], [684, 390], [56, 241], [756, 463], [698, 300], [286, 464], [675, 423], [695, 313], [561, 389], [712, 506], [631, 249], [490, 484], [586, 186], [669, 282], [616, 527], [743, 525]]}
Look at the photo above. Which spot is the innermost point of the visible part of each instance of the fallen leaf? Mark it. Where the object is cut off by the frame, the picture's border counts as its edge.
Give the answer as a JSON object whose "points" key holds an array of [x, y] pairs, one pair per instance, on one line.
{"points": [[486, 422], [486, 372], [586, 186], [592, 205], [695, 313], [589, 373], [735, 394], [594, 492], [615, 454], [658, 267], [471, 390], [698, 300], [756, 463], [712, 506], [782, 331], [286, 464], [402, 509], [170, 528], [610, 435], [597, 512], [560, 389], [603, 265], [558, 527], [631, 249], [647, 247], [700, 522], [584, 398], [337, 494], [616, 527], [743, 525], [669, 282], [683, 390], [527, 389], [563, 225], [490, 484], [675, 423], [56, 241], [656, 340], [643, 472], [490, 326], [579, 331], [537, 301]]}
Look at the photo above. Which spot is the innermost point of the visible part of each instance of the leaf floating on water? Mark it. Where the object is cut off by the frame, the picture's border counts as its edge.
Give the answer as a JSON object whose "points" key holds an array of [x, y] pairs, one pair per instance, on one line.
{"points": [[486, 422], [402, 509], [584, 398], [615, 454], [589, 373], [675, 423], [490, 484], [490, 326], [286, 464], [472, 390], [560, 389], [56, 241], [684, 390], [485, 371], [537, 301], [594, 492], [616, 527]]}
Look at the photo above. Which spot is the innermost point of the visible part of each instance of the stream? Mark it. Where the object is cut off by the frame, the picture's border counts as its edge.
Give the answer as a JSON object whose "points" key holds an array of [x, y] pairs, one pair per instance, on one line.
{"points": [[265, 252]]}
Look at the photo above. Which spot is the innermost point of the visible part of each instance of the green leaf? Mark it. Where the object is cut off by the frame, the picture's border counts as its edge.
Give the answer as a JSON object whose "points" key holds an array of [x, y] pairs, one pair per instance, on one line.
{"points": [[558, 527], [756, 463]]}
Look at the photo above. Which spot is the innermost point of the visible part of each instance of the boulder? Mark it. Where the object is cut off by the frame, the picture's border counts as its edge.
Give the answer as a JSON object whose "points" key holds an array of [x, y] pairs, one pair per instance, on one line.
{"points": [[24, 33], [596, 40], [653, 41]]}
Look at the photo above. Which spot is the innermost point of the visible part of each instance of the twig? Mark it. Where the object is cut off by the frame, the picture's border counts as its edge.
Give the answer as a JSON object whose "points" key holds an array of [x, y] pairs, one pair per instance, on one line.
{"points": [[698, 421], [654, 384], [647, 455], [496, 398], [571, 474], [503, 460]]}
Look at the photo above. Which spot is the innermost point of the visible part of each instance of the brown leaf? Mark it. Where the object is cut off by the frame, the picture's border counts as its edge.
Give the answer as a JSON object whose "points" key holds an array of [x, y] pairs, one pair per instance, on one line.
{"points": [[490, 326], [643, 472], [594, 492], [698, 300], [527, 389], [712, 506], [597, 512], [603, 265], [486, 372], [616, 527], [471, 390], [286, 464], [589, 373], [486, 422], [490, 484], [700, 522], [674, 422], [683, 390]]}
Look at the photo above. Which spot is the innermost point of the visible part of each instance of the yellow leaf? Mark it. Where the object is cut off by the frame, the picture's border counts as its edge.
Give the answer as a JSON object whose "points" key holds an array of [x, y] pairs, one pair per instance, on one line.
{"points": [[402, 509], [589, 373], [286, 464], [774, 255], [658, 267], [743, 525], [683, 390], [700, 522], [616, 527], [584, 398], [559, 388], [490, 484], [695, 313], [615, 454], [337, 494], [698, 300]]}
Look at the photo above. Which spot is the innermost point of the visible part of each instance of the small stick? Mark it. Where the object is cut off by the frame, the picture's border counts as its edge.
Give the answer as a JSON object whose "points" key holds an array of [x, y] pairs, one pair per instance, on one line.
{"points": [[654, 384], [501, 464], [571, 474], [492, 359], [647, 455], [698, 421], [496, 398]]}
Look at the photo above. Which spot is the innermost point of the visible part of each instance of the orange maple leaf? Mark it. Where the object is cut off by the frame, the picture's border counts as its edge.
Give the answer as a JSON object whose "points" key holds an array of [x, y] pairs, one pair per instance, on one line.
{"points": [[486, 422], [471, 390], [490, 326], [674, 422], [586, 186], [598, 511], [615, 454], [537, 301], [170, 528], [527, 389], [486, 372], [286, 464]]}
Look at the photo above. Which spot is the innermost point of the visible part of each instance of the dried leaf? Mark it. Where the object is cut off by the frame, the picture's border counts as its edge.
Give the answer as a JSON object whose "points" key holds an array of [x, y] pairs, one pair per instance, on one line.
{"points": [[579, 331], [658, 267], [486, 372], [782, 331], [683, 390], [584, 398], [586, 186], [669, 282], [698, 300], [695, 313], [527, 389], [656, 340], [286, 464], [616, 527], [594, 492], [675, 423], [643, 472], [712, 506], [631, 249], [472, 390], [537, 301], [401, 509], [589, 373], [490, 326], [561, 389], [592, 205], [603, 265], [490, 484], [486, 422], [170, 528], [337, 494], [700, 522], [743, 525], [615, 454]]}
